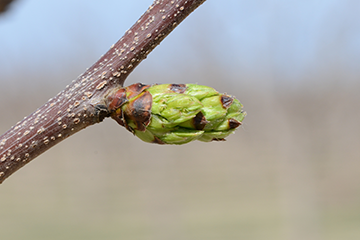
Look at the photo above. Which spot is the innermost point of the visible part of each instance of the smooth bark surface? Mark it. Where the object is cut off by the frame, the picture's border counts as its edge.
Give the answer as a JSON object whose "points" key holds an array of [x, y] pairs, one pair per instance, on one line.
{"points": [[81, 103]]}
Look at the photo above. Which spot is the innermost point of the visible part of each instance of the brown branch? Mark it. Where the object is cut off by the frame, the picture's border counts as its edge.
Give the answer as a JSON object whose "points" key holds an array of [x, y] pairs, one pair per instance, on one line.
{"points": [[81, 103], [4, 5]]}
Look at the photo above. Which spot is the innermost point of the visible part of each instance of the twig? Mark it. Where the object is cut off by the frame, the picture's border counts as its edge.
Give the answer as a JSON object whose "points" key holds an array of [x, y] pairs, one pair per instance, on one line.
{"points": [[81, 103]]}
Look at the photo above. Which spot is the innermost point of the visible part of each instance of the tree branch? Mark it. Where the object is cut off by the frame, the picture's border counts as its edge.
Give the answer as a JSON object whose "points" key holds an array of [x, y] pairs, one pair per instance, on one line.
{"points": [[4, 5], [81, 103]]}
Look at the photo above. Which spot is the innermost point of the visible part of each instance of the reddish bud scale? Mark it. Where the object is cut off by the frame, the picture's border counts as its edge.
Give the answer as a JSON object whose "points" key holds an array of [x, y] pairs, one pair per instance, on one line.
{"points": [[135, 89], [117, 99], [139, 109]]}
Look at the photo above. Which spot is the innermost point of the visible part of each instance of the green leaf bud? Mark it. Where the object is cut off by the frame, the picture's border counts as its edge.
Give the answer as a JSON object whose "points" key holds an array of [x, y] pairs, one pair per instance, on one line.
{"points": [[176, 113]]}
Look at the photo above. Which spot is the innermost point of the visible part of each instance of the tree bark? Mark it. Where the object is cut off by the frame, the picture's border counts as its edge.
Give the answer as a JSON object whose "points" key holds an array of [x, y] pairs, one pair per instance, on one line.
{"points": [[82, 103]]}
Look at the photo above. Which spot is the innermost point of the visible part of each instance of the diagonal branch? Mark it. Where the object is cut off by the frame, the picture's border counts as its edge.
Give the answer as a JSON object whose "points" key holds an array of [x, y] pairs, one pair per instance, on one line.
{"points": [[81, 103], [4, 5]]}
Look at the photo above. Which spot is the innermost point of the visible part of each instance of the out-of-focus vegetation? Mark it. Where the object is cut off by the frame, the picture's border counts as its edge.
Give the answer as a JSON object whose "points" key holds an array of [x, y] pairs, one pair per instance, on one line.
{"points": [[291, 172]]}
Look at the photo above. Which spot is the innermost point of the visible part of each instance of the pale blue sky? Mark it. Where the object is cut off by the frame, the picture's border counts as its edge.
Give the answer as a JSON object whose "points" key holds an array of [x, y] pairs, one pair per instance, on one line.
{"points": [[283, 36]]}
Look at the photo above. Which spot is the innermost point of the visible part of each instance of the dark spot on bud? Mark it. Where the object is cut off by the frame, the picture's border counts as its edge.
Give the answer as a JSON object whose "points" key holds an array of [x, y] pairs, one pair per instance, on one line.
{"points": [[117, 99], [135, 89], [233, 123], [226, 101], [218, 139], [199, 121], [139, 110], [178, 88], [157, 140]]}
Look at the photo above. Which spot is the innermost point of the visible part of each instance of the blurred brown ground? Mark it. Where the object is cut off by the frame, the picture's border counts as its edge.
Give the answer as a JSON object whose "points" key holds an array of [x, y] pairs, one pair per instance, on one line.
{"points": [[292, 172]]}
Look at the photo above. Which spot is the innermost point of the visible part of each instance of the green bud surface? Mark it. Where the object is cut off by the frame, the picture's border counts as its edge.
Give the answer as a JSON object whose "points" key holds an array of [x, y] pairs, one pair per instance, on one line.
{"points": [[176, 113]]}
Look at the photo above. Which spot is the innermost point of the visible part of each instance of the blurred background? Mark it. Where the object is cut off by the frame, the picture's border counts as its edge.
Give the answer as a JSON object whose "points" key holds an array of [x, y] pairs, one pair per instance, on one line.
{"points": [[292, 172]]}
